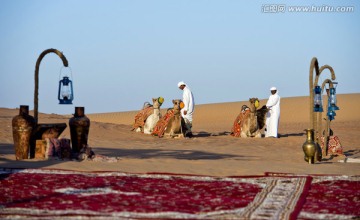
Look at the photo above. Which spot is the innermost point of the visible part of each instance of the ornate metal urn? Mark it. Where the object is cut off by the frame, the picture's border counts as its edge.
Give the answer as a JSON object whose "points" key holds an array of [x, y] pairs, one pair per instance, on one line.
{"points": [[23, 126], [79, 129], [311, 149]]}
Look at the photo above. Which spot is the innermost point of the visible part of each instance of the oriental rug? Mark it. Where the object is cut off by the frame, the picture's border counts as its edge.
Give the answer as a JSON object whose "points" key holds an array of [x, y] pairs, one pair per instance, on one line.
{"points": [[330, 197], [51, 194]]}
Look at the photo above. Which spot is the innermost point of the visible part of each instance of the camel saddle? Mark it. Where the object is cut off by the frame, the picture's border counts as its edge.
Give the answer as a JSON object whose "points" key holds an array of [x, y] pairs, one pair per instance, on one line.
{"points": [[161, 125], [141, 116], [236, 129]]}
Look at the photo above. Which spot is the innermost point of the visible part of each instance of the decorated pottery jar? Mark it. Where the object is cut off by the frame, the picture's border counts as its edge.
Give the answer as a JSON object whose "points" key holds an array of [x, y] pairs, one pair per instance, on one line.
{"points": [[79, 129], [22, 126]]}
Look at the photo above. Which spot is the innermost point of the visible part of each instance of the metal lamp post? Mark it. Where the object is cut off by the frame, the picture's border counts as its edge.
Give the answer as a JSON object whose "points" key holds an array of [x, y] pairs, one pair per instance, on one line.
{"points": [[36, 93], [52, 130], [314, 65], [316, 108], [330, 87]]}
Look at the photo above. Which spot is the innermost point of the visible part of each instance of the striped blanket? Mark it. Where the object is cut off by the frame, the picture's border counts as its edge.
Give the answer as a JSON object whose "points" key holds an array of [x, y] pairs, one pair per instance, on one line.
{"points": [[141, 116], [161, 125], [236, 128]]}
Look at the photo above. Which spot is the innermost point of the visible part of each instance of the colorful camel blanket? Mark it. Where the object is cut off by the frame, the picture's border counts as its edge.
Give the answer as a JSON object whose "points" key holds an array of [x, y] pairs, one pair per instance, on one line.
{"points": [[141, 116], [62, 194], [239, 121], [161, 125]]}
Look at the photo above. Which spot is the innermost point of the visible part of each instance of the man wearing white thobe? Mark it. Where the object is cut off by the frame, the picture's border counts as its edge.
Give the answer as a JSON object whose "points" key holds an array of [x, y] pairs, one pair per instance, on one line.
{"points": [[189, 106], [273, 115]]}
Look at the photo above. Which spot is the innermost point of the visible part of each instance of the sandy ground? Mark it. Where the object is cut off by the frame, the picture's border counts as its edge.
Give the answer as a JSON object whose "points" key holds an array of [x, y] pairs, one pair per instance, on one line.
{"points": [[212, 151]]}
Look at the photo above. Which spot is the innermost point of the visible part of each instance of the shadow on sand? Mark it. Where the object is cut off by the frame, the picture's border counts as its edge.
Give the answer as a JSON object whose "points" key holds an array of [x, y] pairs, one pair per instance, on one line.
{"points": [[207, 134], [291, 135], [161, 153], [352, 153], [227, 133], [8, 149]]}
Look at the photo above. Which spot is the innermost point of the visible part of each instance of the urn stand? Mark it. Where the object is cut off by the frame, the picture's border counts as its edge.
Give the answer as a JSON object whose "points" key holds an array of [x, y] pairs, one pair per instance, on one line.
{"points": [[79, 129], [22, 126]]}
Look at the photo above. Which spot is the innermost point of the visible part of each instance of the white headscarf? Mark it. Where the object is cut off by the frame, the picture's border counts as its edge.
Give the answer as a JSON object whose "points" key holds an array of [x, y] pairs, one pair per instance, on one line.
{"points": [[181, 83]]}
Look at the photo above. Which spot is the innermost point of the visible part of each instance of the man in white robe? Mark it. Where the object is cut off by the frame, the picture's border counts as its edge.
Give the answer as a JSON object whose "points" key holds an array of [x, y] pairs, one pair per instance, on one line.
{"points": [[273, 115], [189, 106]]}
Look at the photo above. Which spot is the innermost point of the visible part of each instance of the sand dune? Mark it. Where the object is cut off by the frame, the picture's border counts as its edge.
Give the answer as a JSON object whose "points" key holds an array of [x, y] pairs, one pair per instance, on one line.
{"points": [[211, 152]]}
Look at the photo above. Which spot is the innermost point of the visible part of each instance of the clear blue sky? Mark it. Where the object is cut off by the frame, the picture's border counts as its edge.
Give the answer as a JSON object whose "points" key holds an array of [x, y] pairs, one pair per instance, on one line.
{"points": [[124, 52]]}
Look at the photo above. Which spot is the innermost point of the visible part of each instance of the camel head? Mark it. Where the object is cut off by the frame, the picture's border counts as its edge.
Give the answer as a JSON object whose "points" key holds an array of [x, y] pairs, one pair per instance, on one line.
{"points": [[156, 103], [177, 107], [254, 104]]}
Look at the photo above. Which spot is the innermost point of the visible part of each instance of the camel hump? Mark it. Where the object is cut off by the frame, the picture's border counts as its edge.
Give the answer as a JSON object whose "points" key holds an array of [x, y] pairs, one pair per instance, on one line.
{"points": [[244, 107], [146, 105]]}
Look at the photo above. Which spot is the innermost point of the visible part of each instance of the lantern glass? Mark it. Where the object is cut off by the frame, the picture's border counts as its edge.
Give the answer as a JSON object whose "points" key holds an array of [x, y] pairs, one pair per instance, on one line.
{"points": [[332, 100], [317, 99], [332, 96], [65, 92]]}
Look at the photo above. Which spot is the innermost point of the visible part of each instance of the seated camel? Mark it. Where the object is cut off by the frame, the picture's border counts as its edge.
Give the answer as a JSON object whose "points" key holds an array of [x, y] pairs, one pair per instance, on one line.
{"points": [[250, 121], [176, 125], [154, 117], [151, 112], [171, 124]]}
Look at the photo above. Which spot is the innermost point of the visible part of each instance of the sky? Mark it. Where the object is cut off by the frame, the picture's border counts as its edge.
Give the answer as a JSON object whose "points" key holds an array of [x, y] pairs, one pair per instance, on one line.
{"points": [[122, 53]]}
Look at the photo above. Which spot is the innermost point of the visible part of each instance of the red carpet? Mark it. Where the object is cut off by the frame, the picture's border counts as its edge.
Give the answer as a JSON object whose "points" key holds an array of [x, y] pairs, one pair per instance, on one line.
{"points": [[331, 197], [38, 193]]}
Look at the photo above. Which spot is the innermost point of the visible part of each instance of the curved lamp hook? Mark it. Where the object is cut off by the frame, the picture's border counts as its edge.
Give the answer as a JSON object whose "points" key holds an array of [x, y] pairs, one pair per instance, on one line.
{"points": [[36, 92], [313, 65], [333, 77]]}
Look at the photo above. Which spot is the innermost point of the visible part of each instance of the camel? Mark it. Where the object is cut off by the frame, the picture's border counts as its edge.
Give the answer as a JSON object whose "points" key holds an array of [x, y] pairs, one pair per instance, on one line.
{"points": [[250, 121], [142, 116], [175, 126], [153, 118]]}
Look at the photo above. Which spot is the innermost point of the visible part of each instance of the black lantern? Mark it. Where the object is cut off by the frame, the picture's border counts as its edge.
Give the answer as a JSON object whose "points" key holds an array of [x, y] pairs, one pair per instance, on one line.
{"points": [[317, 99], [66, 92]]}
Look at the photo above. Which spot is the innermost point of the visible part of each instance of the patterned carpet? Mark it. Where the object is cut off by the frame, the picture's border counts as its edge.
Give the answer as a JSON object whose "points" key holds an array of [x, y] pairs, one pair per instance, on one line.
{"points": [[45, 194]]}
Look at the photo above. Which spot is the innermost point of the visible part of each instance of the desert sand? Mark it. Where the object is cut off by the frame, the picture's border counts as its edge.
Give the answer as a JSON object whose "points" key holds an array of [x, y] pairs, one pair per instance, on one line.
{"points": [[212, 151]]}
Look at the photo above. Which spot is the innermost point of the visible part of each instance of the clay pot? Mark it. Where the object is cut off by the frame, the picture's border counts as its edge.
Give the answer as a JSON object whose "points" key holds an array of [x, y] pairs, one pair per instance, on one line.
{"points": [[23, 126], [79, 129]]}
